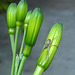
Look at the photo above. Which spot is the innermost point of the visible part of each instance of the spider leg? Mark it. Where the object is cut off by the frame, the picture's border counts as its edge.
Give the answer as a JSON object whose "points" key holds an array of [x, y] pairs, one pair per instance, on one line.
{"points": [[53, 45], [43, 47], [54, 39], [47, 56]]}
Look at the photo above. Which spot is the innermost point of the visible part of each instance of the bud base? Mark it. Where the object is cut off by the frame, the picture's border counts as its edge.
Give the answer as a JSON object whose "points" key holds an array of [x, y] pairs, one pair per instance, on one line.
{"points": [[27, 50]]}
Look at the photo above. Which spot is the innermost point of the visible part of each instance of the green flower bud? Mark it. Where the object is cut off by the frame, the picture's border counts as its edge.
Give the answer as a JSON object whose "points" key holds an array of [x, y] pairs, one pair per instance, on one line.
{"points": [[11, 17], [35, 23], [22, 9], [46, 56], [26, 21]]}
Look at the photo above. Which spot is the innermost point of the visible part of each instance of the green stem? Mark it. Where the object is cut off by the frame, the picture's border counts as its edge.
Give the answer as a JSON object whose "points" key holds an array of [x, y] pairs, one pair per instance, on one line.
{"points": [[22, 42], [12, 69], [12, 41], [21, 49], [16, 64], [14, 54], [38, 71], [21, 65], [12, 45]]}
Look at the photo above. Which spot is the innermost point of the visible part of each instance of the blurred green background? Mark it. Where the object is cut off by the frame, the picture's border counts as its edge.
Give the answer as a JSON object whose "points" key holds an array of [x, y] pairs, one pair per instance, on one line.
{"points": [[4, 4]]}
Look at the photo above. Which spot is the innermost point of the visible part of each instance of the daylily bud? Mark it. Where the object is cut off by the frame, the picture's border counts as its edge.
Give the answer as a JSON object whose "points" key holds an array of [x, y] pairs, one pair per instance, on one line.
{"points": [[22, 9], [26, 21], [55, 36], [11, 17], [35, 23]]}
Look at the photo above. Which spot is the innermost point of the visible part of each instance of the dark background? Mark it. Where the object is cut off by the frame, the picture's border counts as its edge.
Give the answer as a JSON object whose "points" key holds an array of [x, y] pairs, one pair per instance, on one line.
{"points": [[54, 11]]}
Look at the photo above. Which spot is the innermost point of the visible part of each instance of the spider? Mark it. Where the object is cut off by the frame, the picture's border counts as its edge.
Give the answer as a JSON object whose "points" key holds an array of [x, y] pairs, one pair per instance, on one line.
{"points": [[48, 44]]}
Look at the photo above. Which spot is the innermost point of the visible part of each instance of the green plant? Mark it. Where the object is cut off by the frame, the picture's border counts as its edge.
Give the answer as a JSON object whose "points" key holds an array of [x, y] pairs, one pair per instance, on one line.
{"points": [[16, 15], [4, 4]]}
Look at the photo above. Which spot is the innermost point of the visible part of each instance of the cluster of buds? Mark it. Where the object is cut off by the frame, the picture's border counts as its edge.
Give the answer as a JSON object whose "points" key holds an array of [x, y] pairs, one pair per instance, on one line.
{"points": [[16, 15]]}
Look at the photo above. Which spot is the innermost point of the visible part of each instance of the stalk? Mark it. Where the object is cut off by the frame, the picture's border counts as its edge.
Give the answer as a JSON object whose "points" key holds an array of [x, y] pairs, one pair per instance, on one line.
{"points": [[14, 54], [22, 42], [12, 41], [38, 71], [21, 49], [22, 65], [24, 57], [12, 45]]}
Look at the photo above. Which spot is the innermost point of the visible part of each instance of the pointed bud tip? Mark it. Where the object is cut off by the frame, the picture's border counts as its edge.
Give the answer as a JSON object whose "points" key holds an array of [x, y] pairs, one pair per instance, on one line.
{"points": [[59, 24], [26, 21]]}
